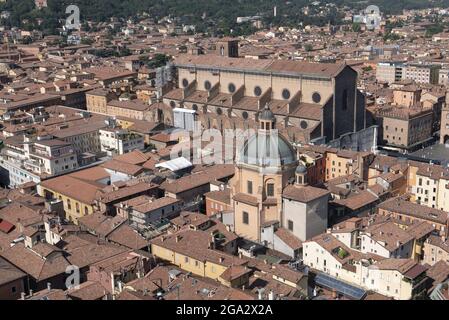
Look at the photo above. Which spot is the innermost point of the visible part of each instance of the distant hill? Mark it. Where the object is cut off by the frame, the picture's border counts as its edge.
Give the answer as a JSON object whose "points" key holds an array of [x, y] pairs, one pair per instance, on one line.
{"points": [[220, 14]]}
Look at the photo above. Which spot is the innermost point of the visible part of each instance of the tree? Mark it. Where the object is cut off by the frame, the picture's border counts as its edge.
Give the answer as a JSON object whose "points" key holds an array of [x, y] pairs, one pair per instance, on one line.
{"points": [[87, 41], [158, 60], [356, 27]]}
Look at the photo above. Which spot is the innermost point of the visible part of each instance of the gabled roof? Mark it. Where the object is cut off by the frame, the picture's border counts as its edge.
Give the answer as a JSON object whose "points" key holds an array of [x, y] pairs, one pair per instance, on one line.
{"points": [[303, 193], [262, 65], [37, 266]]}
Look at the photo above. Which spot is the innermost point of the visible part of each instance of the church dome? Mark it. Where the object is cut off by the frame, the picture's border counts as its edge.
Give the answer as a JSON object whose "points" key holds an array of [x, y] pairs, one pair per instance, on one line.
{"points": [[267, 150], [301, 168], [266, 114]]}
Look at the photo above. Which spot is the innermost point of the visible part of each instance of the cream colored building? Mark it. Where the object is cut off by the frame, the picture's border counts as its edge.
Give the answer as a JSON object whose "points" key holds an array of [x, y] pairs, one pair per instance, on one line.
{"points": [[431, 186], [260, 176], [435, 249], [270, 188], [400, 279]]}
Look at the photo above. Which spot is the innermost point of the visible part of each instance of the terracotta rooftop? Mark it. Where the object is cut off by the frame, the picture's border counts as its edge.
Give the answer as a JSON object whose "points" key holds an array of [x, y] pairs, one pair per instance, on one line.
{"points": [[267, 65], [405, 207], [74, 188], [303, 194], [9, 272]]}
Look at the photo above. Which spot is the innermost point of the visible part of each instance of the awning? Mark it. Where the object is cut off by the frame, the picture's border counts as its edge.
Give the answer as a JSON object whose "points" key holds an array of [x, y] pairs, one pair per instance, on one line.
{"points": [[175, 164]]}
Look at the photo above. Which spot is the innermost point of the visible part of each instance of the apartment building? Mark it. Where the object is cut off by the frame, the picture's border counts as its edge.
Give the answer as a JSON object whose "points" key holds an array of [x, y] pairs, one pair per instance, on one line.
{"points": [[421, 73], [436, 248], [84, 138], [218, 201], [98, 99], [50, 157], [119, 141], [36, 160], [407, 122], [429, 185], [389, 72], [387, 240], [401, 279], [144, 211], [315, 163], [77, 191], [193, 251], [110, 75], [132, 109], [406, 128], [407, 213]]}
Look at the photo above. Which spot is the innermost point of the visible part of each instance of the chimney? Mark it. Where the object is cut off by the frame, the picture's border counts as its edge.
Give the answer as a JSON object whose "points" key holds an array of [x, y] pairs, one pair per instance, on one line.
{"points": [[31, 292], [271, 295], [221, 259], [178, 237], [48, 286], [22, 296]]}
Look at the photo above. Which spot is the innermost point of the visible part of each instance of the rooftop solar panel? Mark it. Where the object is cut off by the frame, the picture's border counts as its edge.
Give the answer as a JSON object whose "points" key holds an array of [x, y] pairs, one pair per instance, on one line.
{"points": [[340, 286]]}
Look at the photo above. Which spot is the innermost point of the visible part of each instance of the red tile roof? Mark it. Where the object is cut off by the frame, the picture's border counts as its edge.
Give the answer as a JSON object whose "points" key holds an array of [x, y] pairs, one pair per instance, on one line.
{"points": [[6, 226]]}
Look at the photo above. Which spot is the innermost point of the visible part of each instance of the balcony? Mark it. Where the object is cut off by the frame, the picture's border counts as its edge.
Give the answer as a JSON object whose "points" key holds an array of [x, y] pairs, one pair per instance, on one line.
{"points": [[34, 166]]}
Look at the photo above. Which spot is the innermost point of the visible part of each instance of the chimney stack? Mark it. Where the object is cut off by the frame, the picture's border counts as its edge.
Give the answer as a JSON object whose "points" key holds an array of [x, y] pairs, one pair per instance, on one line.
{"points": [[48, 286]]}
